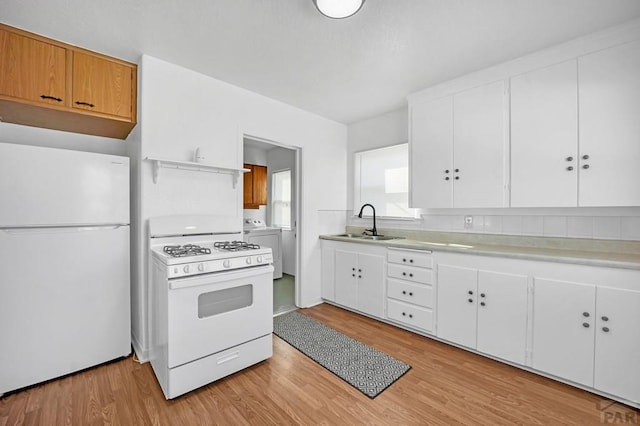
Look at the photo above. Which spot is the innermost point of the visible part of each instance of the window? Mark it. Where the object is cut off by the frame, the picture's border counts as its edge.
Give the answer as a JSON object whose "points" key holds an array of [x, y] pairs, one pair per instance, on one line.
{"points": [[281, 199], [382, 179]]}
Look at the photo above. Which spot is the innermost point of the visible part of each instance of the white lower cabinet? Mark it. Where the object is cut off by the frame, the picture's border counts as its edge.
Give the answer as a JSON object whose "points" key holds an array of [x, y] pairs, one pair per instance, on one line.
{"points": [[483, 310], [410, 293], [353, 276], [588, 333]]}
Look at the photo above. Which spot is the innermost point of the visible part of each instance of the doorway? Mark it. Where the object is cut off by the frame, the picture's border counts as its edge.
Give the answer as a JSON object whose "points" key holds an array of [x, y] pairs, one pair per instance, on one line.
{"points": [[279, 215]]}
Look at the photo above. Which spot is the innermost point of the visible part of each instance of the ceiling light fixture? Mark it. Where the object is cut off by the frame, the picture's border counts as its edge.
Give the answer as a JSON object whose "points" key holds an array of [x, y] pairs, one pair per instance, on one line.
{"points": [[338, 9]]}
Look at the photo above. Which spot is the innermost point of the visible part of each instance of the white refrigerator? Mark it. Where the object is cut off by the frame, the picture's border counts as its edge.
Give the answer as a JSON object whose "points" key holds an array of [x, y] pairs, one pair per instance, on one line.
{"points": [[64, 262]]}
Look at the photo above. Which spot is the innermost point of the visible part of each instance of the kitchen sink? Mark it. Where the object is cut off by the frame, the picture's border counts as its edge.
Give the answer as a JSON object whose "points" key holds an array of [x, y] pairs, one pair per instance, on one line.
{"points": [[349, 235], [379, 237]]}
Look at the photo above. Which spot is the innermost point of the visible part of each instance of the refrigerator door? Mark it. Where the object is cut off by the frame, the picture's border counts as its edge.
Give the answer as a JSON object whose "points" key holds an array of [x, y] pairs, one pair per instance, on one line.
{"points": [[64, 301], [47, 186]]}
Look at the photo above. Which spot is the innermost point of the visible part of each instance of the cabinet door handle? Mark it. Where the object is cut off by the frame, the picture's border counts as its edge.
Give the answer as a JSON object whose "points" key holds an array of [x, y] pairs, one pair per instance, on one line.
{"points": [[569, 158], [403, 314], [353, 275], [404, 274], [585, 157], [470, 292], [404, 260], [410, 315], [404, 292], [470, 300], [585, 314], [353, 269], [456, 170], [585, 324], [359, 276], [605, 329], [605, 318], [53, 98], [457, 177], [90, 105], [410, 294], [446, 171], [411, 275], [359, 270], [447, 178], [410, 260], [482, 303], [586, 166], [482, 295], [570, 168]]}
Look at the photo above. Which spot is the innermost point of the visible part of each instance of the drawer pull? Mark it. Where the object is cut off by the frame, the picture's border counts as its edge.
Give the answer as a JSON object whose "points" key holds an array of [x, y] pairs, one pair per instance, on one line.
{"points": [[228, 358], [53, 98], [404, 260], [404, 274], [411, 275], [90, 105], [411, 316], [605, 329], [470, 292], [470, 300], [410, 260], [404, 292], [585, 314], [585, 324], [605, 318], [410, 294], [482, 303]]}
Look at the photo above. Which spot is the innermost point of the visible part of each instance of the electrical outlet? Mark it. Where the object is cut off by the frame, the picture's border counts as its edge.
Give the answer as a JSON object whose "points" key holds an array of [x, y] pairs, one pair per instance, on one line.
{"points": [[468, 222]]}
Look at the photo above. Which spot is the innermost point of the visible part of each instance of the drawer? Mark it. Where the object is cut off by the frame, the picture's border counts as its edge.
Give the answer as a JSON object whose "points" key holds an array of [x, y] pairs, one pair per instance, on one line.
{"points": [[418, 294], [410, 273], [411, 315], [422, 259]]}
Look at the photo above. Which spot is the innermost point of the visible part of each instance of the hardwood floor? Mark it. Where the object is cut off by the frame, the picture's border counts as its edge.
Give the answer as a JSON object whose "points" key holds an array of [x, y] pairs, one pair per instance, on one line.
{"points": [[445, 386]]}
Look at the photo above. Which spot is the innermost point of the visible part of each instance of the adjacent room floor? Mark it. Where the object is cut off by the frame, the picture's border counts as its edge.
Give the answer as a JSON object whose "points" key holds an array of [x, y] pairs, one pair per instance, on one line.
{"points": [[445, 386], [284, 294]]}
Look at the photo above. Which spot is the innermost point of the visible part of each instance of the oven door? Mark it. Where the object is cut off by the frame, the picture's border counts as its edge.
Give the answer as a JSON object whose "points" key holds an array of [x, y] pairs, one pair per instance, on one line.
{"points": [[213, 312]]}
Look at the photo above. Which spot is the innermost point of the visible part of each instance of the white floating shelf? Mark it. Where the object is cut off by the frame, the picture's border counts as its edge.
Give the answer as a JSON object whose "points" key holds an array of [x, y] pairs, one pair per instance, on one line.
{"points": [[159, 163]]}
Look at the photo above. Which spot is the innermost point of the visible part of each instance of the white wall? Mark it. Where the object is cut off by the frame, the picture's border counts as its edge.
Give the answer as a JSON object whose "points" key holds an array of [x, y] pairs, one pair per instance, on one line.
{"points": [[182, 109], [602, 223]]}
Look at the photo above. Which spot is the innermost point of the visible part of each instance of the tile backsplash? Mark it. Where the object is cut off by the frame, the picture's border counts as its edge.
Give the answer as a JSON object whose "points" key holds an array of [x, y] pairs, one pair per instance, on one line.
{"points": [[596, 227]]}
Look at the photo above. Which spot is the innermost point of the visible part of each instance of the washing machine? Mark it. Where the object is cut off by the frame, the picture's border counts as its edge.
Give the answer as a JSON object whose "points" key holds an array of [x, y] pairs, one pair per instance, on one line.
{"points": [[256, 231]]}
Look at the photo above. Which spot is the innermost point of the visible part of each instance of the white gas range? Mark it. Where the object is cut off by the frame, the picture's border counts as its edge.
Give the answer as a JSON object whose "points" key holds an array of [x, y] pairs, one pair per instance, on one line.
{"points": [[211, 302]]}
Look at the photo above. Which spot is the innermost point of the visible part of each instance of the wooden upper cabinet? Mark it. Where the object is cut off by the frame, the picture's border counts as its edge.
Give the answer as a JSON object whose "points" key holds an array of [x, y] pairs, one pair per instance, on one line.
{"points": [[31, 69], [49, 84], [101, 85], [255, 186]]}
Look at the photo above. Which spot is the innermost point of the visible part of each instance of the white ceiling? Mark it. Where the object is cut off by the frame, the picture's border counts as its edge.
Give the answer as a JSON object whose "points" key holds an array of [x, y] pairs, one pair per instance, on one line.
{"points": [[345, 70]]}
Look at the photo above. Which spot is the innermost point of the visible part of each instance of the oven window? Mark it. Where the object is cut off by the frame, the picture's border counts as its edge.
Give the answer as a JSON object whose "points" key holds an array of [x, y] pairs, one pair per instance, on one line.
{"points": [[221, 301]]}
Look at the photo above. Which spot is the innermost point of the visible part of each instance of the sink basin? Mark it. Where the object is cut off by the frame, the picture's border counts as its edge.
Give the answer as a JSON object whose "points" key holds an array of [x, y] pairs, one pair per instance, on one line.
{"points": [[349, 235], [379, 237]]}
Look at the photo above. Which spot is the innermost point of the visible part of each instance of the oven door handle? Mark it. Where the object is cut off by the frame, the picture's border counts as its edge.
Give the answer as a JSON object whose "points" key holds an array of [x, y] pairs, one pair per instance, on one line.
{"points": [[218, 277]]}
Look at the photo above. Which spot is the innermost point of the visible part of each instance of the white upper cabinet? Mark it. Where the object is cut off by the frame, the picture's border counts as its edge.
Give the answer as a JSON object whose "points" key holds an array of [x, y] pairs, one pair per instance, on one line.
{"points": [[458, 149], [544, 137], [431, 153], [609, 105], [479, 146]]}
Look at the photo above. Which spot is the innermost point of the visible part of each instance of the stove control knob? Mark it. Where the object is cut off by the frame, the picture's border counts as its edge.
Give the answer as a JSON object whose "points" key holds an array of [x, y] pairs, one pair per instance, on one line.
{"points": [[226, 263], [186, 269], [201, 267], [248, 261], [259, 259]]}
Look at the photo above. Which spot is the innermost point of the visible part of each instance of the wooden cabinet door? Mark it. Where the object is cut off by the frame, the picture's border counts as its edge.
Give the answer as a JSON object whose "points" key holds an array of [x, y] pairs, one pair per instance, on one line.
{"points": [[371, 284], [609, 93], [456, 309], [346, 270], [101, 85], [431, 154], [259, 185], [544, 137], [502, 315], [480, 146], [247, 188], [617, 359], [31, 69], [563, 322]]}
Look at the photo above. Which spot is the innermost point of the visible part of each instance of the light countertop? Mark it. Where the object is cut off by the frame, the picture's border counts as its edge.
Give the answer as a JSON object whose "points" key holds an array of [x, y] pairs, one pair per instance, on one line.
{"points": [[607, 253]]}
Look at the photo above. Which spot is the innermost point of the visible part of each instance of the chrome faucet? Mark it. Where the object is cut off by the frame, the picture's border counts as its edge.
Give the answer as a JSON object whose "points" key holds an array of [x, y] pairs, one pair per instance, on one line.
{"points": [[373, 231]]}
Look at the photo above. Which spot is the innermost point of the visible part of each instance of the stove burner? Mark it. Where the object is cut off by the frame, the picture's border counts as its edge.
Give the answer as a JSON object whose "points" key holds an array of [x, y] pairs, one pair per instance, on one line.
{"points": [[235, 245], [186, 250]]}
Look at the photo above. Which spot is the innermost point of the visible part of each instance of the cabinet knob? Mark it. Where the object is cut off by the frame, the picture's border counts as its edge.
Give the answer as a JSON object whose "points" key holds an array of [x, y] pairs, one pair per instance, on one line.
{"points": [[359, 276], [470, 300], [605, 329], [447, 178], [353, 275], [569, 158], [359, 270], [403, 314], [456, 170], [570, 168], [411, 275], [482, 295], [605, 318], [353, 269], [586, 166], [585, 324], [585, 314], [410, 260], [457, 177], [404, 260], [404, 292], [470, 292], [404, 274], [482, 303], [410, 293], [446, 171], [585, 157], [410, 315]]}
